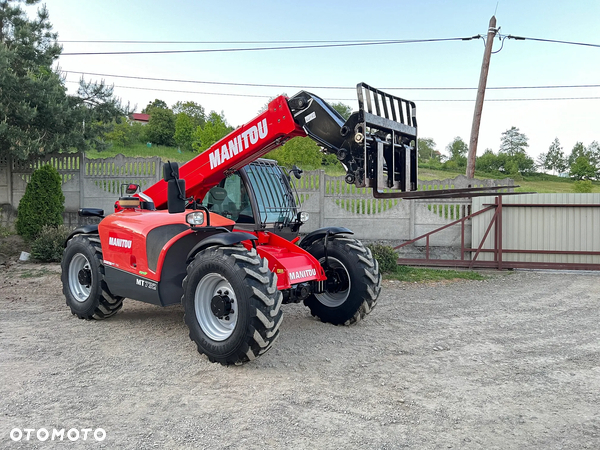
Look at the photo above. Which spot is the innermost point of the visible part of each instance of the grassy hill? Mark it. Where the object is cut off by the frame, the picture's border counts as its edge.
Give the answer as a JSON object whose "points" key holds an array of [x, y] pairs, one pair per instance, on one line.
{"points": [[540, 183]]}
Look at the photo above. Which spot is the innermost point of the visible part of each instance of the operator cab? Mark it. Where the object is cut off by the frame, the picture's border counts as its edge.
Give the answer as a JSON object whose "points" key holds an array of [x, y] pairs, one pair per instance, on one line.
{"points": [[258, 197]]}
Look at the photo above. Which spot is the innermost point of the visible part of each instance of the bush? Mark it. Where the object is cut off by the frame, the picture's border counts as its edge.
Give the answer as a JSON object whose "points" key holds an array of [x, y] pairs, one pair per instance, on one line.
{"points": [[451, 165], [48, 246], [386, 256], [125, 134], [42, 204], [582, 186]]}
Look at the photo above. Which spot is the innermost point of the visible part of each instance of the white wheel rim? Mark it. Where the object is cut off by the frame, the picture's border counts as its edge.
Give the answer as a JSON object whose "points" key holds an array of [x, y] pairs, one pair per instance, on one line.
{"points": [[209, 286], [80, 292], [335, 299]]}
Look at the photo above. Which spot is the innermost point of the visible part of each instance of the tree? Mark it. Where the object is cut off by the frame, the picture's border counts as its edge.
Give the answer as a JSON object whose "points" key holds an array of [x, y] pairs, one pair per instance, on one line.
{"points": [[512, 153], [489, 162], [161, 126], [124, 133], [593, 152], [554, 159], [36, 114], [457, 150], [582, 169], [184, 131], [97, 109], [302, 151], [344, 110], [513, 142], [583, 161], [157, 103], [426, 149], [215, 128], [577, 151], [520, 163], [192, 109]]}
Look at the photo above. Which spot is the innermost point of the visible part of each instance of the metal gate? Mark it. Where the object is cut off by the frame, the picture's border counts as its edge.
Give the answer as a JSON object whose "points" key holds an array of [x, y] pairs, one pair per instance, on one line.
{"points": [[543, 231]]}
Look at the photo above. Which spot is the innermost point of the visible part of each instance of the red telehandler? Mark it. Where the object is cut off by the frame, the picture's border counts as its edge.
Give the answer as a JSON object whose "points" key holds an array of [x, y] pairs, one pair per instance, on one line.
{"points": [[220, 233]]}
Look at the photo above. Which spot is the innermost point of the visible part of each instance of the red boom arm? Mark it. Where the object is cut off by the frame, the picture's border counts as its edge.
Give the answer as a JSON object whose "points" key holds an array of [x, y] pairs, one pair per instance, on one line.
{"points": [[249, 142]]}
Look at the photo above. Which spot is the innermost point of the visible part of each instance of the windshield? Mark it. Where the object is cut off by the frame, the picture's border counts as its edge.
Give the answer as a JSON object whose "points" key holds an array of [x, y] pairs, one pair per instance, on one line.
{"points": [[273, 194]]}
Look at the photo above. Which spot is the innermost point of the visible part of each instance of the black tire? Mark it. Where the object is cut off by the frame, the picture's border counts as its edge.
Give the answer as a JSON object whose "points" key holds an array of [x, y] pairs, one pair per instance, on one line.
{"points": [[353, 283], [83, 282], [232, 305]]}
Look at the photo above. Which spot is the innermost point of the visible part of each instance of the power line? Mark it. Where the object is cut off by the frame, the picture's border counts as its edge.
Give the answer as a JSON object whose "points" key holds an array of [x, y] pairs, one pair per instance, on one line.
{"points": [[283, 86], [295, 47], [186, 92], [522, 38], [349, 42], [312, 41], [352, 99]]}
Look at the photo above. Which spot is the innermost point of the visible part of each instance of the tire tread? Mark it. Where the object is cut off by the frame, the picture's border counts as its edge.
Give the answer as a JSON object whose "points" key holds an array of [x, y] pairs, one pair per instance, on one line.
{"points": [[106, 305], [265, 301]]}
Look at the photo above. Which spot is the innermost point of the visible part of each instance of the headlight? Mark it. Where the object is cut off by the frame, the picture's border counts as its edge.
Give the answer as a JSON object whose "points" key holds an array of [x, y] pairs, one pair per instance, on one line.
{"points": [[304, 217], [195, 218]]}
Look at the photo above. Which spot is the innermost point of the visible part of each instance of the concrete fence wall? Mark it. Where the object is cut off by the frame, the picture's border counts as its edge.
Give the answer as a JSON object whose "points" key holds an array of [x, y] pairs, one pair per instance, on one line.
{"points": [[329, 200], [85, 182]]}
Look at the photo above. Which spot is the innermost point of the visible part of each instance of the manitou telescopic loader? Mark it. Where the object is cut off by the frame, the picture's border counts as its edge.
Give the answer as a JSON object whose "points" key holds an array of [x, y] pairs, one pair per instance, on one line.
{"points": [[220, 233]]}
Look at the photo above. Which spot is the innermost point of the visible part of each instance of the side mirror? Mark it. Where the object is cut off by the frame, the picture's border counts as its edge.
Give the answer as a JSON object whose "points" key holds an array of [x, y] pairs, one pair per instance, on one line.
{"points": [[297, 172], [176, 196], [91, 212], [175, 188], [170, 171]]}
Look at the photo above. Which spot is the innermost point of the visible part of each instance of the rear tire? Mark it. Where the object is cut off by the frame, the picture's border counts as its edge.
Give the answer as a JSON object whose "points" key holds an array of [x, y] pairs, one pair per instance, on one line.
{"points": [[353, 281], [232, 305], [83, 282]]}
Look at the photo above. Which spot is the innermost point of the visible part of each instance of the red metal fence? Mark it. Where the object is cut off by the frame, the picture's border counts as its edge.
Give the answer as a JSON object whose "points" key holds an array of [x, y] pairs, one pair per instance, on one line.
{"points": [[470, 256]]}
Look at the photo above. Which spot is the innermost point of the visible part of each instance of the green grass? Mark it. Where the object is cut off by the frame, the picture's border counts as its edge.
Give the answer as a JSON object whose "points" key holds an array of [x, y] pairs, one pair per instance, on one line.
{"points": [[5, 231], [418, 275], [143, 151], [541, 183]]}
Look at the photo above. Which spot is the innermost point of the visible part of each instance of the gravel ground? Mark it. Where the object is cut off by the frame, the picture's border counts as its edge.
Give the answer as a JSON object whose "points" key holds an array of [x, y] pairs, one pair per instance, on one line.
{"points": [[512, 362]]}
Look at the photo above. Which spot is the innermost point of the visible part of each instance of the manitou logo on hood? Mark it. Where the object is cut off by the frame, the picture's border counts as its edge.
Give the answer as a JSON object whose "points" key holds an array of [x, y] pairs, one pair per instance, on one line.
{"points": [[239, 143], [303, 274], [119, 243]]}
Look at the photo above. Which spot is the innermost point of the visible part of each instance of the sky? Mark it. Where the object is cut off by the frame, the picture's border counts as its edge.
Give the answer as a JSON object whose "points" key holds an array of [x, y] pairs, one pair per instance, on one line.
{"points": [[403, 70]]}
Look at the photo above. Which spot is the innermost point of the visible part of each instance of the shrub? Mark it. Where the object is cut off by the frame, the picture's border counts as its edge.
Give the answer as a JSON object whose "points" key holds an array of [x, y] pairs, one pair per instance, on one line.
{"points": [[42, 204], [48, 246], [582, 186], [5, 231], [386, 256], [125, 134]]}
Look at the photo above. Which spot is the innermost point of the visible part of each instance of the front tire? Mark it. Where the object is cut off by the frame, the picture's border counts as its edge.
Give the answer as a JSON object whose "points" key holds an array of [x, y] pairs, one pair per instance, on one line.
{"points": [[232, 305], [83, 282], [353, 281]]}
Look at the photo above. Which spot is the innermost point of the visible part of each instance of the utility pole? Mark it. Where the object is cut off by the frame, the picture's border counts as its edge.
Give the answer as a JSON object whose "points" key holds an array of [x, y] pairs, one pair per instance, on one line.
{"points": [[485, 65]]}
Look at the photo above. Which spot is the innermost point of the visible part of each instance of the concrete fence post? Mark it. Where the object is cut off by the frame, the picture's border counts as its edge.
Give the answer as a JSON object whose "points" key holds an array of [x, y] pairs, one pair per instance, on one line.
{"points": [[321, 198], [9, 180], [82, 159], [411, 220]]}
